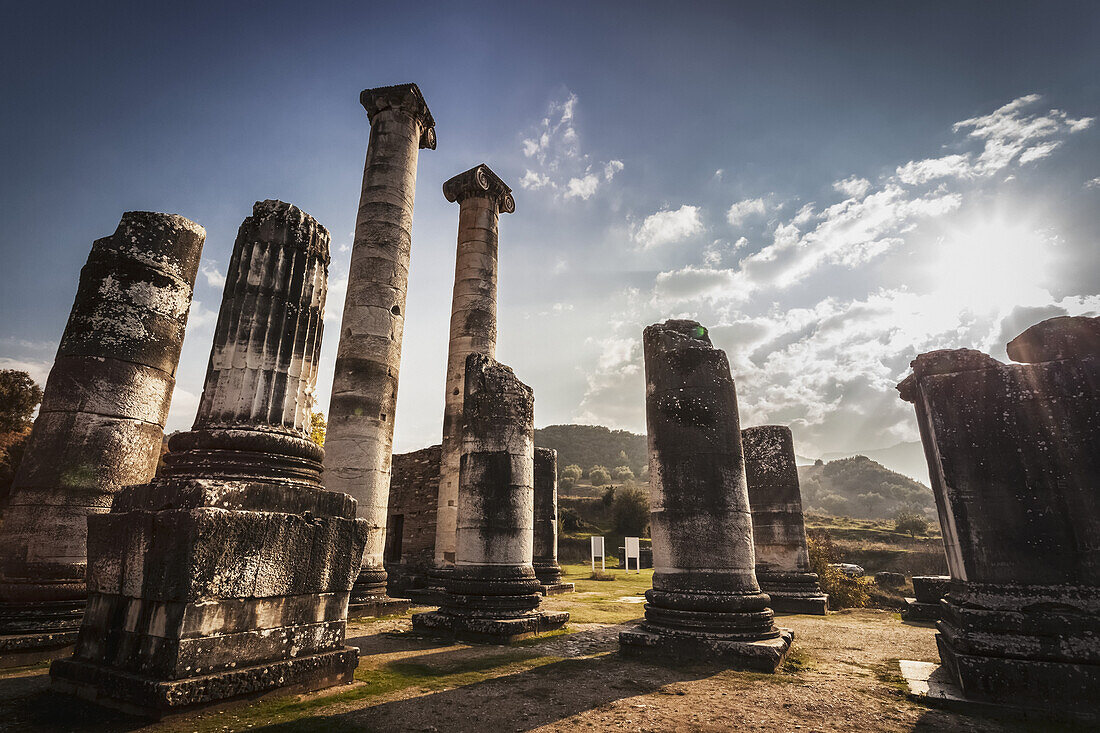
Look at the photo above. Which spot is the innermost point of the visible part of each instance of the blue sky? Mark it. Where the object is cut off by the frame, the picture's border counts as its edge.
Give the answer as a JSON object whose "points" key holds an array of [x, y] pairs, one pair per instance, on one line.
{"points": [[832, 188]]}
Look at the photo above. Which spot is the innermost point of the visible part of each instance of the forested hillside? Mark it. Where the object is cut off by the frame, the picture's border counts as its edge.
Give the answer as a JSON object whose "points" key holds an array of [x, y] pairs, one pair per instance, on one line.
{"points": [[591, 445], [860, 487]]}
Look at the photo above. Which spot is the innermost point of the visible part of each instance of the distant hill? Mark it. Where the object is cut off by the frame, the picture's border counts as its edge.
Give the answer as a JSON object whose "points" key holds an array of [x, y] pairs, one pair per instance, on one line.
{"points": [[905, 458], [589, 445], [862, 488]]}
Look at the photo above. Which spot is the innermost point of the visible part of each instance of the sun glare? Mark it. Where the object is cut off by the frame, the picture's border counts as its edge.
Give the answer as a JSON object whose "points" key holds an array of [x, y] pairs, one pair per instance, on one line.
{"points": [[994, 263]]}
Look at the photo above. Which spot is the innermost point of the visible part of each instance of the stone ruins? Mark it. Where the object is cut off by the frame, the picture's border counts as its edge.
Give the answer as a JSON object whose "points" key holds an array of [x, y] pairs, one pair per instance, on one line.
{"points": [[481, 197], [492, 593], [100, 425], [928, 590], [778, 529], [368, 361], [1014, 461], [705, 601], [229, 573], [545, 548]]}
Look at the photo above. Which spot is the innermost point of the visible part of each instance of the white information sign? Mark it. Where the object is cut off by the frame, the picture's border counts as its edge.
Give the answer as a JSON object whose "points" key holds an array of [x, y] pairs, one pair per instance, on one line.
{"points": [[597, 551], [633, 551]]}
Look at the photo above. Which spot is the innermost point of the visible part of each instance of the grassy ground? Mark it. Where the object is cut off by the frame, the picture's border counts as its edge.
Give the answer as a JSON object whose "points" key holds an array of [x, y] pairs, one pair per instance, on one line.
{"points": [[842, 675]]}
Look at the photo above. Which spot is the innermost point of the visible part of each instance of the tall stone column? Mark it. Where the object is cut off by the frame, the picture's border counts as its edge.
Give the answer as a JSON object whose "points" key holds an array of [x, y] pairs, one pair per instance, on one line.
{"points": [[778, 528], [481, 196], [547, 569], [101, 421], [1014, 458], [492, 593], [705, 601], [229, 574], [359, 442]]}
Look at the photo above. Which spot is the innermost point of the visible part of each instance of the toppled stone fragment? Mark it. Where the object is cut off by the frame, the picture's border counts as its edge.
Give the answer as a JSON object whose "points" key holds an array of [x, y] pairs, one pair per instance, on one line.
{"points": [[359, 442], [1064, 337], [101, 422], [778, 528], [492, 593], [229, 574], [705, 601]]}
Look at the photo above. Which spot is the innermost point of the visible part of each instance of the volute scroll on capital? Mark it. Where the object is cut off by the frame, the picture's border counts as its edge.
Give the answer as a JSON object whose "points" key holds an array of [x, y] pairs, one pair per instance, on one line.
{"points": [[406, 98], [480, 181]]}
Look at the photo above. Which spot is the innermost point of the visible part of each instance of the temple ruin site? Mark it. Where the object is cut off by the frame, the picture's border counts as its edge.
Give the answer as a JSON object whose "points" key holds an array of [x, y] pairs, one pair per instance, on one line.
{"points": [[252, 578]]}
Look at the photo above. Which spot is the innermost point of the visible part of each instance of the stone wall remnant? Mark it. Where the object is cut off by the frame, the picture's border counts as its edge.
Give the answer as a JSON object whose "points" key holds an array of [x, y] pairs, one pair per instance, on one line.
{"points": [[229, 574], [492, 593], [778, 528], [482, 196], [101, 422], [359, 442], [1014, 457], [705, 601], [545, 549]]}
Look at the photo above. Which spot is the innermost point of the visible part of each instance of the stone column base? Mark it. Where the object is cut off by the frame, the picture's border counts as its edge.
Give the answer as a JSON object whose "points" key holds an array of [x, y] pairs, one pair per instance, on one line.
{"points": [[817, 605], [489, 630], [378, 606], [35, 632], [558, 588], [764, 655], [916, 611], [155, 698]]}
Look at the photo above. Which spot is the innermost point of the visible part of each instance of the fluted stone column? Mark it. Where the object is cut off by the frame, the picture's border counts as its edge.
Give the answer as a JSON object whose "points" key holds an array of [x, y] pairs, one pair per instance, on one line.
{"points": [[101, 421], [705, 601], [547, 569], [1014, 458], [482, 197], [778, 528], [492, 593], [359, 442], [230, 573]]}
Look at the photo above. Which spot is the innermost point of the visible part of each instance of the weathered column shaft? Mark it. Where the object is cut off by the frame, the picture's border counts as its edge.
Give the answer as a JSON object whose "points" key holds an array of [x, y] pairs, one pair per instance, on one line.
{"points": [[778, 527], [229, 574], [102, 417], [705, 599], [481, 196], [546, 517], [359, 441]]}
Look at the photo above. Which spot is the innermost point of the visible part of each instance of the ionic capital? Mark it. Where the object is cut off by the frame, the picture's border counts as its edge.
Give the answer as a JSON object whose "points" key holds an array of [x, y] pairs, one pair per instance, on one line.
{"points": [[406, 98], [480, 181]]}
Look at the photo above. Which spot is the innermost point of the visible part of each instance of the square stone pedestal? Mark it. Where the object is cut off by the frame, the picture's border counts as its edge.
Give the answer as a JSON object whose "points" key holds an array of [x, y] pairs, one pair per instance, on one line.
{"points": [[489, 630], [558, 588], [764, 655], [916, 611], [156, 698]]}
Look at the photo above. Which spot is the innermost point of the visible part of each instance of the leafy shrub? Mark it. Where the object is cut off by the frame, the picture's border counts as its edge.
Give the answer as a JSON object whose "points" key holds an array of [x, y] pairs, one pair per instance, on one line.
{"points": [[599, 476], [631, 511], [566, 483], [844, 592], [608, 495], [622, 473], [570, 520], [911, 522], [601, 575], [572, 471]]}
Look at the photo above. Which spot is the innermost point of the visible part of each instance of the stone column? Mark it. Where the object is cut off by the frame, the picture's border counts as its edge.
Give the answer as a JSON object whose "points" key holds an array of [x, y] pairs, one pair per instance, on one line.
{"points": [[229, 574], [545, 562], [101, 422], [492, 593], [778, 529], [1014, 457], [359, 442], [481, 196], [705, 601]]}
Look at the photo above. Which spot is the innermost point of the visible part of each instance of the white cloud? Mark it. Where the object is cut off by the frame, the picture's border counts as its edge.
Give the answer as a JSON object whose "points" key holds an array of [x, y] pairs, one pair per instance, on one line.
{"points": [[582, 188], [611, 168], [917, 172], [719, 173], [853, 186], [1039, 151], [533, 180], [665, 227], [39, 369], [334, 300], [1093, 183], [214, 278], [742, 210]]}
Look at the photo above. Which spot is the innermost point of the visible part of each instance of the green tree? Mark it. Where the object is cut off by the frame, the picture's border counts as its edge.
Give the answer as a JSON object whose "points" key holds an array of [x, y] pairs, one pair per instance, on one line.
{"points": [[19, 395], [911, 522], [608, 495], [599, 476], [318, 428], [844, 592], [566, 483], [572, 471], [622, 473], [631, 511]]}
